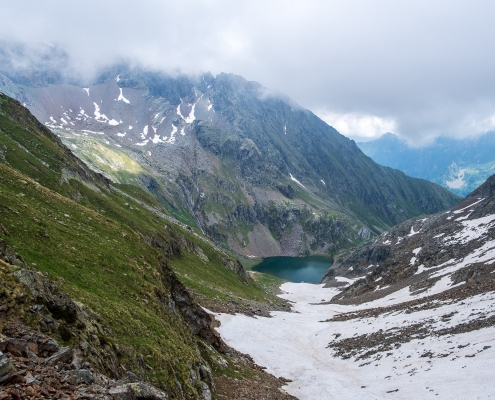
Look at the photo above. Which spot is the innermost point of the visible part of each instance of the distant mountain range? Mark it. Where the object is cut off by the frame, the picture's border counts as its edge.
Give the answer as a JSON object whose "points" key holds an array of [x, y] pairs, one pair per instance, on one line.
{"points": [[458, 165], [251, 169]]}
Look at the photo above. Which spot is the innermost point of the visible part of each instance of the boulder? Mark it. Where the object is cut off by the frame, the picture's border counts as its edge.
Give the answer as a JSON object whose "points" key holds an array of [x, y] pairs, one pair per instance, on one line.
{"points": [[8, 372], [137, 391], [64, 355]]}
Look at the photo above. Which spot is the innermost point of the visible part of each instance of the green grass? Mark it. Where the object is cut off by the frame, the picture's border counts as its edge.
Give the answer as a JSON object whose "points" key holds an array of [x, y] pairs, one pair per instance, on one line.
{"points": [[66, 222]]}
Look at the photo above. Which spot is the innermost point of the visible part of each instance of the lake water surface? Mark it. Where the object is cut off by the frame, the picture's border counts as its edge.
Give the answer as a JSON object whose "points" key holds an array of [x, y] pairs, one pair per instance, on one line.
{"points": [[296, 269]]}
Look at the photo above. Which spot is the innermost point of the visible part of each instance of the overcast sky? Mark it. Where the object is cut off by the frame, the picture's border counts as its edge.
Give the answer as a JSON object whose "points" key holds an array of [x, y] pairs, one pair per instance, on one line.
{"points": [[419, 69]]}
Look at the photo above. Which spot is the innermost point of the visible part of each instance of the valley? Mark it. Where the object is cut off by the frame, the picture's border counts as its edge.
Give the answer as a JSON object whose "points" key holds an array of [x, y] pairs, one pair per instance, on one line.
{"points": [[140, 212], [460, 165], [256, 172], [411, 313]]}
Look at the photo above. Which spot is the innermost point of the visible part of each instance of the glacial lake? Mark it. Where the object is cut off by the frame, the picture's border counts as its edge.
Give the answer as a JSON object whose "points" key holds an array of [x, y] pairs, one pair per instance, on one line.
{"points": [[296, 269]]}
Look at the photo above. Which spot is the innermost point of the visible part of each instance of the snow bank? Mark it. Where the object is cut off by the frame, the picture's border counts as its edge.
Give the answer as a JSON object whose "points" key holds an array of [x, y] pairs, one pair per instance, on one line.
{"points": [[456, 366]]}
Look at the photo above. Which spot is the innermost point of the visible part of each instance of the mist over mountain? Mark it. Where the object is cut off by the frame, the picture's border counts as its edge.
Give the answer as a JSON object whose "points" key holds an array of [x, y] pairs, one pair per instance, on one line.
{"points": [[246, 165]]}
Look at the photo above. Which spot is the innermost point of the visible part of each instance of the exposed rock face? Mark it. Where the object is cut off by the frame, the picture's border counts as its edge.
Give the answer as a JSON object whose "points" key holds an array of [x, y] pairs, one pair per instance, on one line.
{"points": [[247, 167], [179, 301], [8, 371], [457, 245]]}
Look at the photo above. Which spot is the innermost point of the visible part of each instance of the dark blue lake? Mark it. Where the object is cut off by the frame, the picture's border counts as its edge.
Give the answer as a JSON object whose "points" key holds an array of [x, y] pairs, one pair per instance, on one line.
{"points": [[296, 269]]}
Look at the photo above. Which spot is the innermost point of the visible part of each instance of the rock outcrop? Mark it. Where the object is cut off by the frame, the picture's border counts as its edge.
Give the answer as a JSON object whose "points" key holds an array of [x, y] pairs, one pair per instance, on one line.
{"points": [[457, 245]]}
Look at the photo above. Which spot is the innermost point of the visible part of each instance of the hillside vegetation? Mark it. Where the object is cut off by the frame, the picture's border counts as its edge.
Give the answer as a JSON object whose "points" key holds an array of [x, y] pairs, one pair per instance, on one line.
{"points": [[110, 252]]}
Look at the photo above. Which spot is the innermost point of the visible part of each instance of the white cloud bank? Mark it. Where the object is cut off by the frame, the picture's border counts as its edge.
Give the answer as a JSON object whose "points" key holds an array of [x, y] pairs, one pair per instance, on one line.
{"points": [[424, 68], [359, 126]]}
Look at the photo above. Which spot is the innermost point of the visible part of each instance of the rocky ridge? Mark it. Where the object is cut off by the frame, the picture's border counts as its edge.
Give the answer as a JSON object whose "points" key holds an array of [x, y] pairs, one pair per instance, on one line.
{"points": [[437, 273], [251, 169]]}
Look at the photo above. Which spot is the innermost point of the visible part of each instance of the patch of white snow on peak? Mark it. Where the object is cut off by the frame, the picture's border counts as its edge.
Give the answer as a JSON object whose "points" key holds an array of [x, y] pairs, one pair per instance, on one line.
{"points": [[171, 139], [86, 90], [285, 132], [483, 254], [182, 131], [117, 79], [53, 120], [156, 139], [121, 134], [143, 143], [130, 126], [102, 117], [322, 181], [412, 233], [295, 180], [473, 229], [469, 206], [413, 259], [145, 132], [191, 117], [122, 98], [421, 269], [344, 279]]}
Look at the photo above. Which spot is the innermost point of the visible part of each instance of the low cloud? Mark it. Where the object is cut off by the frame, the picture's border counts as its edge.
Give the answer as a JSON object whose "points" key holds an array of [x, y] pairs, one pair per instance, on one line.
{"points": [[359, 126], [420, 69]]}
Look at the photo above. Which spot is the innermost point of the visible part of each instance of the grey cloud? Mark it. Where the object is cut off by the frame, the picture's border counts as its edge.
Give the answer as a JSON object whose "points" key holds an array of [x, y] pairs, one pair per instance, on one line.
{"points": [[427, 65]]}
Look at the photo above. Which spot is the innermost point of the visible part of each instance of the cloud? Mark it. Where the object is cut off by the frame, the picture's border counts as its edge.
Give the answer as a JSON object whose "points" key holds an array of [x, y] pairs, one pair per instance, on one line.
{"points": [[427, 66], [358, 126]]}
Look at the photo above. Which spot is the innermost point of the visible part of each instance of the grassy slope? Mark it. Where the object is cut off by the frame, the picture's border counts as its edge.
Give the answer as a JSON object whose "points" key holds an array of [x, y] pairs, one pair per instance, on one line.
{"points": [[98, 242]]}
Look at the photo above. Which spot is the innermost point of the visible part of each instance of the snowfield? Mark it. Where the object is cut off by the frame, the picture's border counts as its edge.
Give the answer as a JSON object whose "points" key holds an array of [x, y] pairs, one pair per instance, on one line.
{"points": [[424, 351]]}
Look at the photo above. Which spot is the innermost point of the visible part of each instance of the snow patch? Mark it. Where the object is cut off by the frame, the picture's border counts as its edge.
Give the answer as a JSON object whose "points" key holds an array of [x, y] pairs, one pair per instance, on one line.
{"points": [[122, 98], [412, 233], [145, 132], [295, 180], [191, 117]]}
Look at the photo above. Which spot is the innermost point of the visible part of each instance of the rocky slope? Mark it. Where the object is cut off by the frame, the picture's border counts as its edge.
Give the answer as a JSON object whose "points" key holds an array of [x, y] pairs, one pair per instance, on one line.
{"points": [[456, 245], [250, 168], [410, 314], [458, 165], [102, 270]]}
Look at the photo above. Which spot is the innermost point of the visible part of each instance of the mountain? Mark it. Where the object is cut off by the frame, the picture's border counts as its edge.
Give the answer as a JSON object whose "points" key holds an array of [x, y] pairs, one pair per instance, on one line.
{"points": [[408, 314], [250, 168], [99, 286], [458, 165], [432, 263]]}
